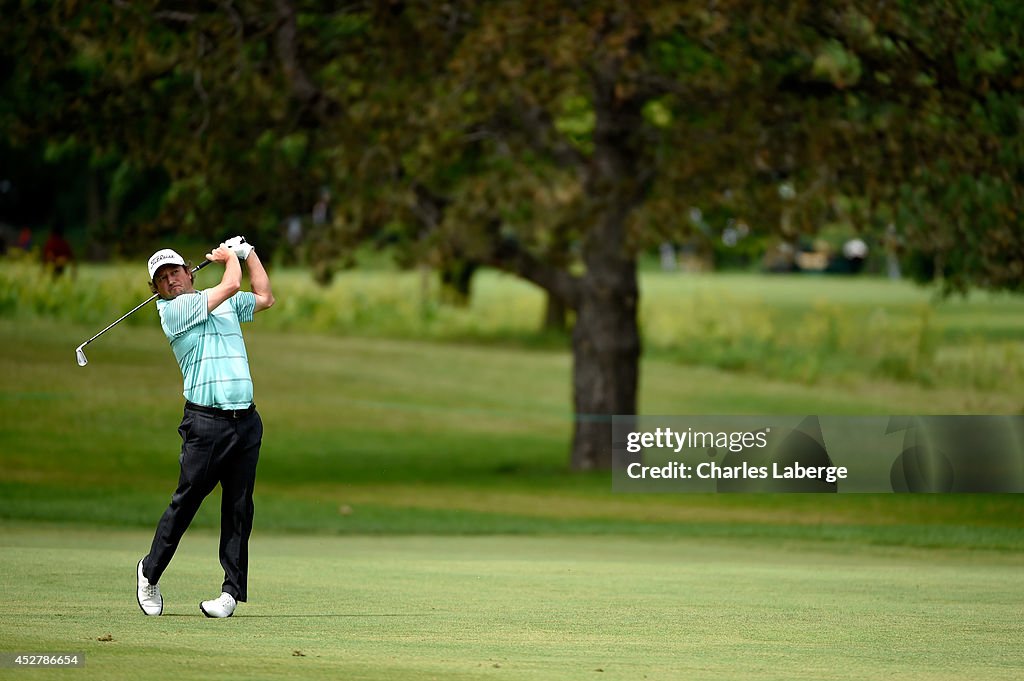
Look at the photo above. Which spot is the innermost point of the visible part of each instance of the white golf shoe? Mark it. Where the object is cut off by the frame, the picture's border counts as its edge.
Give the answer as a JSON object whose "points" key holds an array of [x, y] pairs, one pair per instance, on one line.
{"points": [[150, 600], [223, 606]]}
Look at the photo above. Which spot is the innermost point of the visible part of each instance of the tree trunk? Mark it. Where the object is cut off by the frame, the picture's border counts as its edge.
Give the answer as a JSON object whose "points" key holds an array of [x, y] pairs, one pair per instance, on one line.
{"points": [[606, 356], [456, 281], [605, 342], [606, 337], [556, 314]]}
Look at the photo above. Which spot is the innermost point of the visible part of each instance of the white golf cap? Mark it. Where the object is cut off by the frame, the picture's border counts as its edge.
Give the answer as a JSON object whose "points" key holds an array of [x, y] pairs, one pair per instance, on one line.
{"points": [[163, 257]]}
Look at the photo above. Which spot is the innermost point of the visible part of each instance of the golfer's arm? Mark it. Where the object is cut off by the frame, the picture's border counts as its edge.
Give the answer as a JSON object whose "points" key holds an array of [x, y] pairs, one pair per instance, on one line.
{"points": [[260, 282], [229, 284]]}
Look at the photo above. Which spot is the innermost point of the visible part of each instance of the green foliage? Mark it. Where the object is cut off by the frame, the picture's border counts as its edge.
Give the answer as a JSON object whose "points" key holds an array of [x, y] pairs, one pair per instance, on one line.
{"points": [[249, 117], [681, 56], [577, 122], [837, 65]]}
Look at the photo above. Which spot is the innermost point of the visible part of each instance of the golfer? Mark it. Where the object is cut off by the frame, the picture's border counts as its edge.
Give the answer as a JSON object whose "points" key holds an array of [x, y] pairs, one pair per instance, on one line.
{"points": [[220, 430]]}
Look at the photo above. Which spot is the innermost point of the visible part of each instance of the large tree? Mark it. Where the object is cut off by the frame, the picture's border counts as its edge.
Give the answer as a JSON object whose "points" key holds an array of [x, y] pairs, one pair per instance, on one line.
{"points": [[554, 140]]}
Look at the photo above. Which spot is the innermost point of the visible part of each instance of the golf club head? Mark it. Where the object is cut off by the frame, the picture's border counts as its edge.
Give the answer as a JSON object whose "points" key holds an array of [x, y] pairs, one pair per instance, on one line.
{"points": [[80, 354]]}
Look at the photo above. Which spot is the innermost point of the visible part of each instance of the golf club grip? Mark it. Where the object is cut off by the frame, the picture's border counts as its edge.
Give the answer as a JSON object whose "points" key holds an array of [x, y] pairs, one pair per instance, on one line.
{"points": [[201, 266]]}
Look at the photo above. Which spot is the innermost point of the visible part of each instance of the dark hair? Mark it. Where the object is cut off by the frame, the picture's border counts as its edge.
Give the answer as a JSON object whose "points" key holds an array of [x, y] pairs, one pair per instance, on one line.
{"points": [[188, 268]]}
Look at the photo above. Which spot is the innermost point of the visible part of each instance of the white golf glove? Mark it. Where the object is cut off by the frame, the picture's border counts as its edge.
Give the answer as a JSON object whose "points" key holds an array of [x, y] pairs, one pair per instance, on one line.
{"points": [[239, 246]]}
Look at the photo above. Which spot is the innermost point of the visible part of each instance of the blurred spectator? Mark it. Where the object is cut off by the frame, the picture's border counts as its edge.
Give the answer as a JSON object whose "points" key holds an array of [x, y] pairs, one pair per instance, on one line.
{"points": [[293, 237], [322, 214], [293, 231], [892, 249], [855, 252], [57, 253], [667, 253], [25, 239], [850, 260]]}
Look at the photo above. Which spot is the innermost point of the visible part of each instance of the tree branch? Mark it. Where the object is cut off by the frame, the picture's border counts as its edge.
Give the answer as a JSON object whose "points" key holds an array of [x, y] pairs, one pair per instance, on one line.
{"points": [[508, 256], [302, 87]]}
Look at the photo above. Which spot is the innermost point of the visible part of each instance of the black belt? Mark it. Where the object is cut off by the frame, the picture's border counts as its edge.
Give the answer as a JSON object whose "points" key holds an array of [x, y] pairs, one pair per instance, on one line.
{"points": [[221, 413]]}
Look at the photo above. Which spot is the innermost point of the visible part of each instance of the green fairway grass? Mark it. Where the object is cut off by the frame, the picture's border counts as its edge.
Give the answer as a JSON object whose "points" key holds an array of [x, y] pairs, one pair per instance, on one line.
{"points": [[516, 608], [416, 519], [398, 437]]}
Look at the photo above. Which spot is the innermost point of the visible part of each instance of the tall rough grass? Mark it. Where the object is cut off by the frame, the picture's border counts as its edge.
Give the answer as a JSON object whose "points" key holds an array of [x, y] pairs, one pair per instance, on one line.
{"points": [[824, 339], [788, 328]]}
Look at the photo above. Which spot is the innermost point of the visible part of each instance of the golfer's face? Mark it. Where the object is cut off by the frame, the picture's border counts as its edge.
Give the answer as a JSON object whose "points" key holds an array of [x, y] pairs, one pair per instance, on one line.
{"points": [[171, 281]]}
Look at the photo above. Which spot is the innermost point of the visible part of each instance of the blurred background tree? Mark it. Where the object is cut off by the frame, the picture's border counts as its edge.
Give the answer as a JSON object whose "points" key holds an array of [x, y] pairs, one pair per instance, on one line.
{"points": [[553, 140]]}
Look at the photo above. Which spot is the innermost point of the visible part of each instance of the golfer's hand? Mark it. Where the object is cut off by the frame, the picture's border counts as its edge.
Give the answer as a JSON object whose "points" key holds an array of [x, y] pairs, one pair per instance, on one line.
{"points": [[239, 246], [220, 254]]}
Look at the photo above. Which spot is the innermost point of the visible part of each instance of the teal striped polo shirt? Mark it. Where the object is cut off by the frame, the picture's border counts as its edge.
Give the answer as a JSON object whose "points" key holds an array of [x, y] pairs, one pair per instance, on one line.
{"points": [[209, 347]]}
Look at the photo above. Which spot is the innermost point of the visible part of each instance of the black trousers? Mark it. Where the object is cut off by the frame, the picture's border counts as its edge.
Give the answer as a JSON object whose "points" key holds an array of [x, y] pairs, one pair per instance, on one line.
{"points": [[214, 449]]}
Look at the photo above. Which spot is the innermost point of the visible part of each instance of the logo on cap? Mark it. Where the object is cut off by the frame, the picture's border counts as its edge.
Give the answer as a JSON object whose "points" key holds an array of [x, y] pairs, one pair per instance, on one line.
{"points": [[163, 257]]}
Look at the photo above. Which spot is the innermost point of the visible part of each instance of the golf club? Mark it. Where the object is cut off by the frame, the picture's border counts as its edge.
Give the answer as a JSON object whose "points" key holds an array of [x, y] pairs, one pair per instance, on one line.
{"points": [[80, 352]]}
